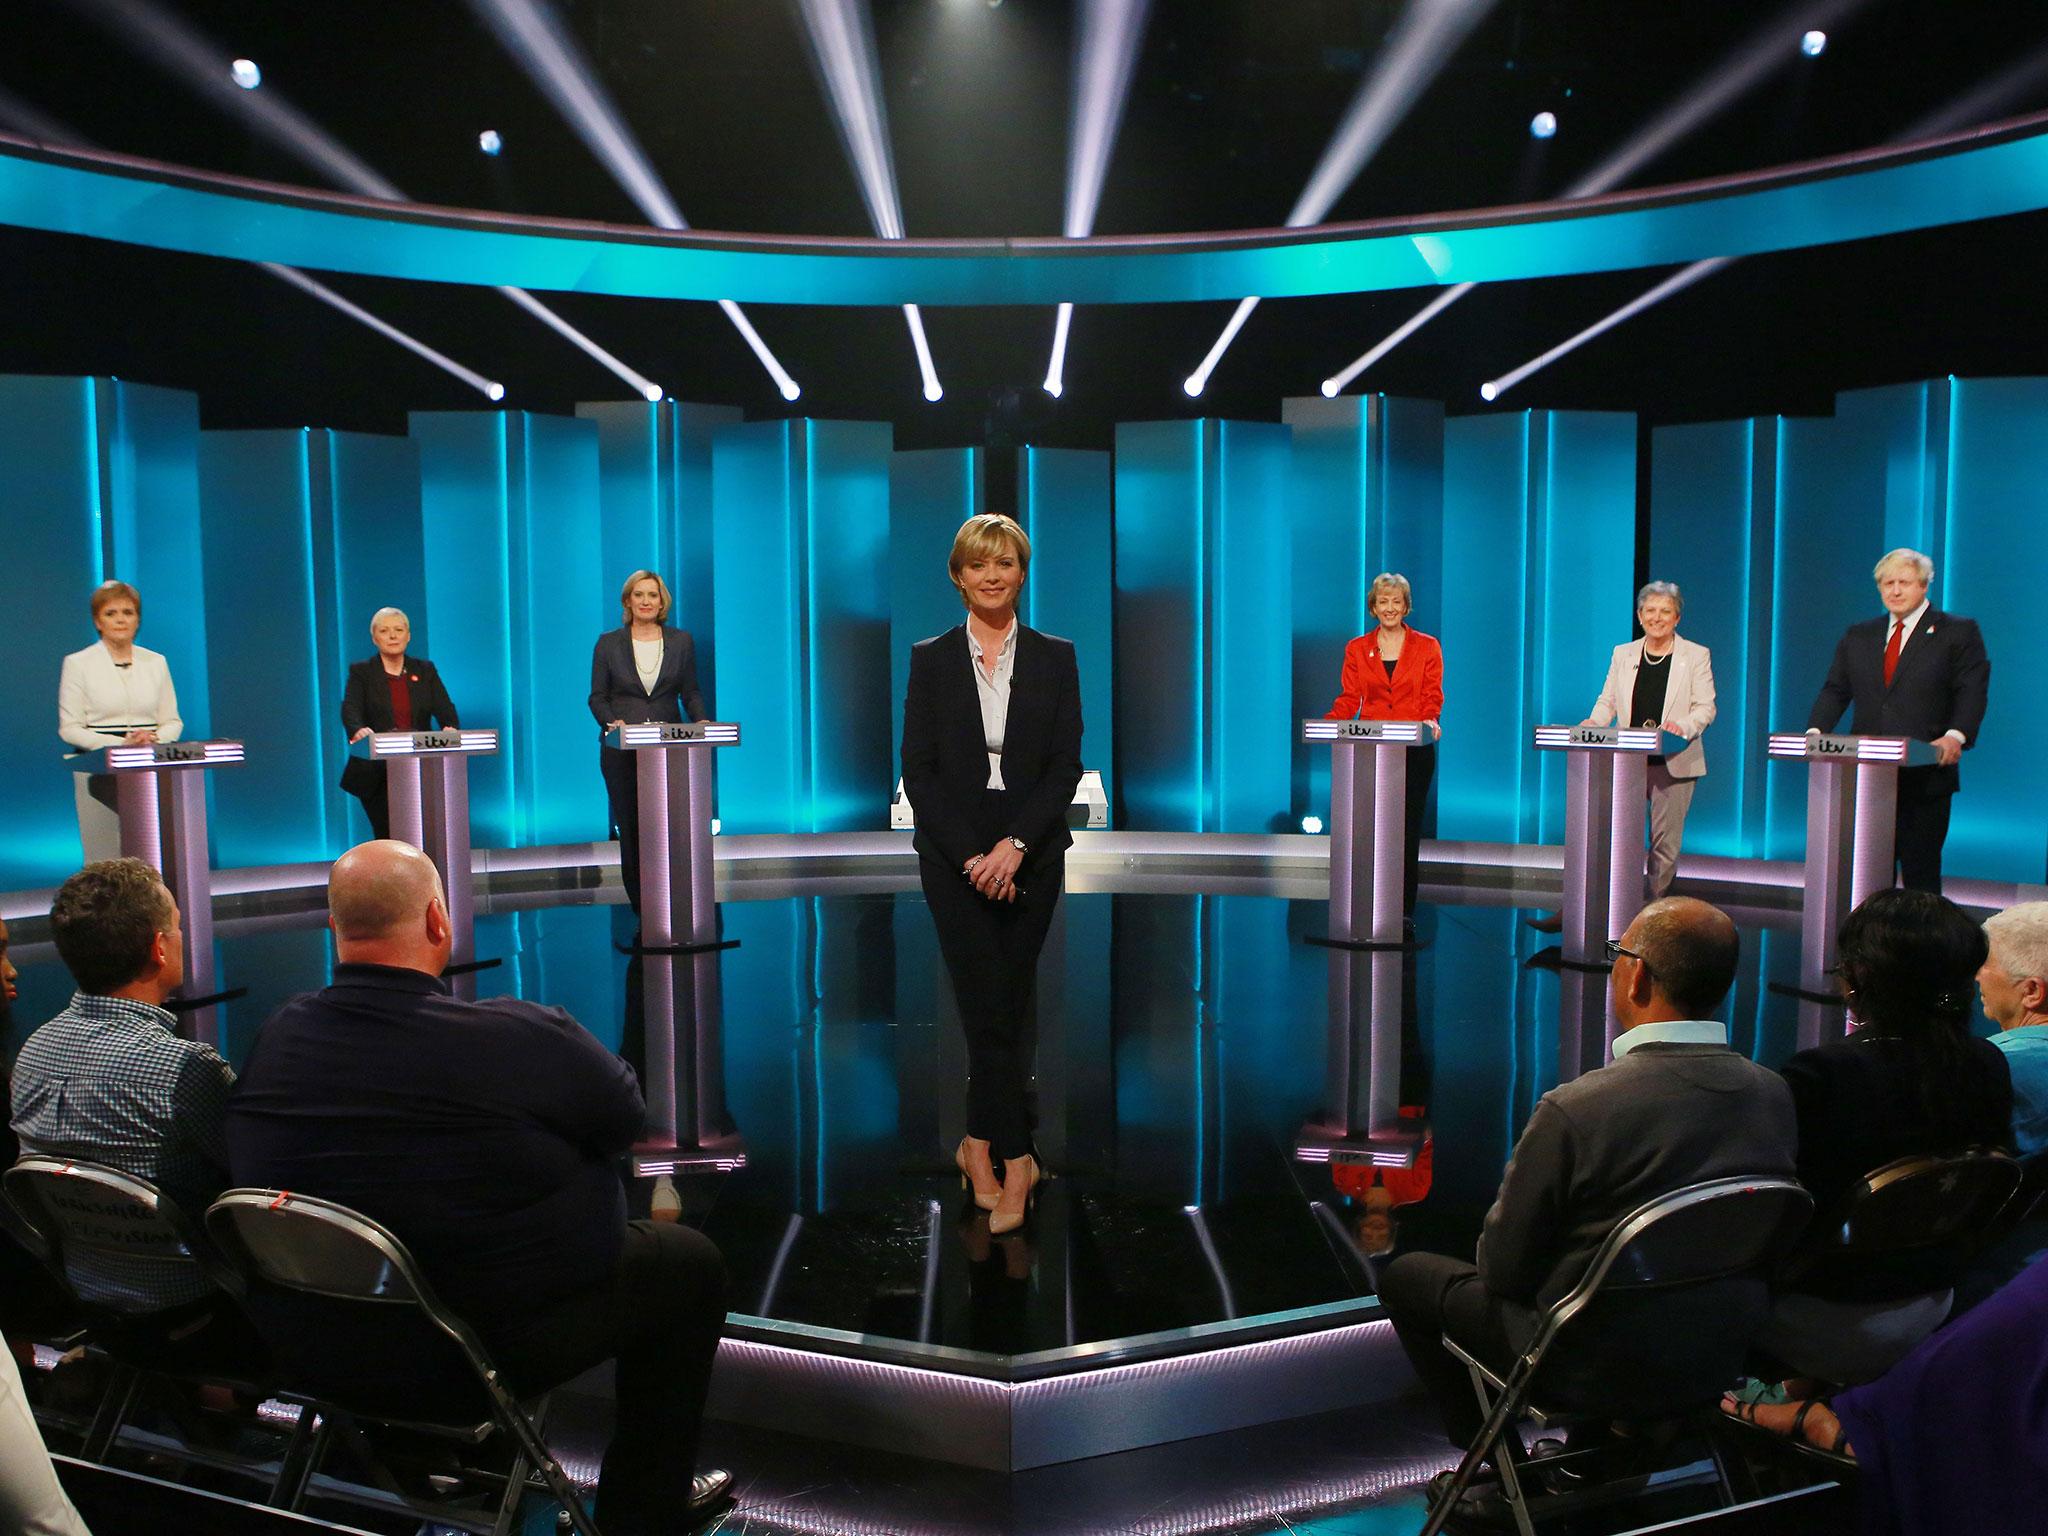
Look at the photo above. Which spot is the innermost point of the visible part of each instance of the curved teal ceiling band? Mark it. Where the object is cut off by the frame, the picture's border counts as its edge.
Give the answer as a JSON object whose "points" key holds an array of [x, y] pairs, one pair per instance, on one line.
{"points": [[1980, 175]]}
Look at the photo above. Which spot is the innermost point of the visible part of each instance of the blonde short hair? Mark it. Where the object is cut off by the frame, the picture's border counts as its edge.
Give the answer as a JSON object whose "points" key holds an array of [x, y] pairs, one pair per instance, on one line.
{"points": [[388, 613], [1922, 566], [107, 591], [981, 536], [1390, 581], [634, 580]]}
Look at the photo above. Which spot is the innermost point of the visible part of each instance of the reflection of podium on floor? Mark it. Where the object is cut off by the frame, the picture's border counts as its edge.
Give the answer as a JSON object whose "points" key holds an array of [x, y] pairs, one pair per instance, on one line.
{"points": [[160, 794], [684, 1080], [1606, 784], [427, 789], [1852, 800], [1367, 942]]}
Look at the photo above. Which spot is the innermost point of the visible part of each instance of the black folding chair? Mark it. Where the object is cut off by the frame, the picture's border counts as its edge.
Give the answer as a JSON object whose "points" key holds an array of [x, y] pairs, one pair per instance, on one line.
{"points": [[96, 1220], [348, 1278], [1911, 1227], [1687, 1240]]}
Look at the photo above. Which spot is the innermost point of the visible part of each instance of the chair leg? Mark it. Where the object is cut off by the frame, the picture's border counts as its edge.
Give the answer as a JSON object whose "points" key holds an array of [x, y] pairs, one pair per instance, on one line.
{"points": [[525, 1432], [115, 1405], [303, 1454], [1498, 1419], [515, 1490]]}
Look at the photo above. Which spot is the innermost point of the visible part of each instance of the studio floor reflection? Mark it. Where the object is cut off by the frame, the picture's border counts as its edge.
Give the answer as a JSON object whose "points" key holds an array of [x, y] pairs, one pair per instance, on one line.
{"points": [[1184, 1042]]}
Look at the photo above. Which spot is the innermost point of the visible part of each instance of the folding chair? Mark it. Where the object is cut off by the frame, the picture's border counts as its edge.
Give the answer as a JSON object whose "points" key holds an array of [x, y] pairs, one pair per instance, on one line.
{"points": [[352, 1277], [1911, 1227], [1718, 1230], [86, 1218]]}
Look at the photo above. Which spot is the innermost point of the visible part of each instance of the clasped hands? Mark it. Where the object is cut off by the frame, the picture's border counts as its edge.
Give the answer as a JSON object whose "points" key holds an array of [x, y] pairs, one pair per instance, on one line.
{"points": [[993, 873]]}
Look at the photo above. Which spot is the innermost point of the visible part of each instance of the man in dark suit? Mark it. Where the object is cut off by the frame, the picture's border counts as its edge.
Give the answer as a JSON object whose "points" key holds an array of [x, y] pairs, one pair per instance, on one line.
{"points": [[486, 1135], [1675, 1107], [1915, 672]]}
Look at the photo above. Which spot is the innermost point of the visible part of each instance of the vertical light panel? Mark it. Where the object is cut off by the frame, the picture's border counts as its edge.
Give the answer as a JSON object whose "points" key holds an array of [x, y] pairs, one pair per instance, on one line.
{"points": [[1202, 613], [800, 552], [654, 469], [932, 491], [1063, 498], [1366, 495], [49, 476], [1713, 507], [509, 505], [1538, 562]]}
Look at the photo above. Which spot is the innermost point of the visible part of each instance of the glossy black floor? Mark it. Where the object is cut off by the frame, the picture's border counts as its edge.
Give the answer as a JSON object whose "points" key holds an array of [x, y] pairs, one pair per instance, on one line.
{"points": [[1182, 1047]]}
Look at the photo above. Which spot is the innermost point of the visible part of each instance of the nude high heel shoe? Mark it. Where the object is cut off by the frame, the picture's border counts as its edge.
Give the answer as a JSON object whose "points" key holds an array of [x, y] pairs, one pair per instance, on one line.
{"points": [[986, 1199], [1014, 1210]]}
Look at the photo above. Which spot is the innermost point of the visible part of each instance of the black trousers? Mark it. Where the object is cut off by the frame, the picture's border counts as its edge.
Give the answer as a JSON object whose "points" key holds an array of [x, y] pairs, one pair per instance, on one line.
{"points": [[622, 793], [1421, 774], [991, 951], [659, 1317], [1922, 827], [1427, 1296]]}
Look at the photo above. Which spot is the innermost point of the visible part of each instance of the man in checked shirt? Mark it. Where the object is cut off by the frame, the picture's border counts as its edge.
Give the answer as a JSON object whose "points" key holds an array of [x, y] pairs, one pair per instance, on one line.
{"points": [[108, 1080]]}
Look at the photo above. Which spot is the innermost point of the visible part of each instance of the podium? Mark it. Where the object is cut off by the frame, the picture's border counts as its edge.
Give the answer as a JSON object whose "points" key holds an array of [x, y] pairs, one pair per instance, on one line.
{"points": [[685, 1073], [1852, 802], [160, 795], [1368, 872], [428, 792]]}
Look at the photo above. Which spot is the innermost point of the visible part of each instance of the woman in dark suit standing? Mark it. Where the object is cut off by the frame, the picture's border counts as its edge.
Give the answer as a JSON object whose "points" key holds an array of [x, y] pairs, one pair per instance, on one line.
{"points": [[1397, 673], [640, 672], [391, 691], [991, 755]]}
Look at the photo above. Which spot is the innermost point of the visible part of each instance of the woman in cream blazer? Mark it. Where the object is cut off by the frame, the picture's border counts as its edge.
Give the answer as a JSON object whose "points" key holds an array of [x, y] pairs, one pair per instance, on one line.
{"points": [[113, 691], [1669, 682]]}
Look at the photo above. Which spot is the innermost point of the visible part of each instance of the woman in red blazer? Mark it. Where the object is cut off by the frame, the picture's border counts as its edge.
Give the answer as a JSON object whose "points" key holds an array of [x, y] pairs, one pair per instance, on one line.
{"points": [[1397, 673]]}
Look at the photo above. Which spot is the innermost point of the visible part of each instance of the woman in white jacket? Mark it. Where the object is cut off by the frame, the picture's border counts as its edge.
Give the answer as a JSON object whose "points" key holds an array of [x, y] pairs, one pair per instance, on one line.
{"points": [[112, 692], [1662, 682]]}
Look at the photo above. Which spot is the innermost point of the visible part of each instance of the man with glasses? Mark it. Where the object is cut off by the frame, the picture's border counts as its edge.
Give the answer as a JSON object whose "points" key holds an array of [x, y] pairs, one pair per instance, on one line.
{"points": [[1676, 1106]]}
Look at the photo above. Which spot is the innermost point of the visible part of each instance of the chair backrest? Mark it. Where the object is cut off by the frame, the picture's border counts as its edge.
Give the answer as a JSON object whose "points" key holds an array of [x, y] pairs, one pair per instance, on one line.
{"points": [[118, 1240], [1910, 1226], [1716, 1230], [344, 1307]]}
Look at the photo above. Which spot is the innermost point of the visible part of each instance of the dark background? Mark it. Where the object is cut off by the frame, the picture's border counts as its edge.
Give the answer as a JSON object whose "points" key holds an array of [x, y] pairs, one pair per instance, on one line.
{"points": [[1233, 103]]}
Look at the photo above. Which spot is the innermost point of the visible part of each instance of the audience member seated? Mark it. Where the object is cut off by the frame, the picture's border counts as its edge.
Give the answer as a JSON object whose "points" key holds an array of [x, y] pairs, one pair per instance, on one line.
{"points": [[1908, 1082], [2013, 983], [486, 1136], [32, 1501], [110, 1081], [30, 1301], [1949, 1439], [1675, 1107]]}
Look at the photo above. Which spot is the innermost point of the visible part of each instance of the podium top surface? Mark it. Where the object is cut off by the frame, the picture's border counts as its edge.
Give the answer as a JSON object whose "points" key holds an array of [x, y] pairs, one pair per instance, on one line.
{"points": [[1607, 738], [124, 758], [1823, 747], [1412, 733], [448, 743], [674, 733]]}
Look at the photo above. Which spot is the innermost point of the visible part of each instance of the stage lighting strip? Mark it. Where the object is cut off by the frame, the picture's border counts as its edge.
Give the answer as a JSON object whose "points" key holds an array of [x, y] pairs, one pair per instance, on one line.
{"points": [[1948, 180], [715, 733], [1627, 739], [1408, 731], [1862, 749], [423, 743], [209, 754]]}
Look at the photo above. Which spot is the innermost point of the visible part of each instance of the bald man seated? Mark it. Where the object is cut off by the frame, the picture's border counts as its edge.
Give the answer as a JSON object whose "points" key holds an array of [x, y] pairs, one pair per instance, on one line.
{"points": [[1675, 1107], [488, 1137]]}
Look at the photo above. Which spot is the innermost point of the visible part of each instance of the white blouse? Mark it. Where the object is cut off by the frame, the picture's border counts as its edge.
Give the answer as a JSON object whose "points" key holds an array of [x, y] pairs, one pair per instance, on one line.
{"points": [[99, 703], [995, 699]]}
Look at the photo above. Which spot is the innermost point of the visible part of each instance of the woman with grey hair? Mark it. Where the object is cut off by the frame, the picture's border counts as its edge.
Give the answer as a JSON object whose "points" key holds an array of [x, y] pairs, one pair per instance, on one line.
{"points": [[391, 691], [1662, 682]]}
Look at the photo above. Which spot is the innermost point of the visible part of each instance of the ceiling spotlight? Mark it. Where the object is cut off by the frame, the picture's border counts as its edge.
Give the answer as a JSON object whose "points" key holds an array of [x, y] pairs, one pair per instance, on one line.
{"points": [[790, 389], [1194, 384], [652, 392], [1543, 125], [1330, 388], [1055, 388], [1814, 44], [490, 141], [246, 74], [494, 390], [933, 392], [1489, 390]]}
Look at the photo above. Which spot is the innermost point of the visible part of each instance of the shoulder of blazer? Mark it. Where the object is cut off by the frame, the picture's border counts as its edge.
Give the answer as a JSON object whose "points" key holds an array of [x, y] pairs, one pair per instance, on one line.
{"points": [[1691, 650], [1036, 638], [933, 644]]}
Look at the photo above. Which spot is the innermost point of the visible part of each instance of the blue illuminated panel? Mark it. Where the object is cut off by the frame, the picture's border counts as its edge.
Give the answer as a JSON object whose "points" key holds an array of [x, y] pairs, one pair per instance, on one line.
{"points": [[932, 491], [1063, 497]]}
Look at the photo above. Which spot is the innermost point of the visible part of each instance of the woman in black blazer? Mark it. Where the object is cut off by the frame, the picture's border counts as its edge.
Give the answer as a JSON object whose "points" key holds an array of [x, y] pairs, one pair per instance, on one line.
{"points": [[640, 672], [391, 691], [991, 755]]}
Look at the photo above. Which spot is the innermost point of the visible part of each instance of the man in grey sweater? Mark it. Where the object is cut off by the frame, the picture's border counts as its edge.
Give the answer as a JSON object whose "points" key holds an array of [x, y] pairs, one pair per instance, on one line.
{"points": [[1675, 1107]]}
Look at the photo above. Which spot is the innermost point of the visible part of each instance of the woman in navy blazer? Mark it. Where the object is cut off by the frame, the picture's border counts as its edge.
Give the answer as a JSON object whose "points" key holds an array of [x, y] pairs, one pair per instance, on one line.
{"points": [[991, 755], [379, 690], [640, 672]]}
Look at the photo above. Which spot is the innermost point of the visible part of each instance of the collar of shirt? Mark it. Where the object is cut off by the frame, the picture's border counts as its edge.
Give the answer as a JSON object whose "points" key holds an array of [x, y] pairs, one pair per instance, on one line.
{"points": [[1911, 622], [1008, 646], [1671, 1032], [120, 1010], [395, 978]]}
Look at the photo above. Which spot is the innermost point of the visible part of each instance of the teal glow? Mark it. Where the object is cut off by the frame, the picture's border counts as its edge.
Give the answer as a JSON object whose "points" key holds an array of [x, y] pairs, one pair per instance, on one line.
{"points": [[178, 209]]}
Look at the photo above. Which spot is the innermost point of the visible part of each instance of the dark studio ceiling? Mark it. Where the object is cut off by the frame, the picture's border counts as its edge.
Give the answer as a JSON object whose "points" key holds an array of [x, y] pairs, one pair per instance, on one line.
{"points": [[1231, 107]]}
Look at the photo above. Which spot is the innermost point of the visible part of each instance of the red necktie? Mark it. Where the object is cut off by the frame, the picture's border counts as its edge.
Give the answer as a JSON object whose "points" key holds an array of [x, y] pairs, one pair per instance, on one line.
{"points": [[1891, 650]]}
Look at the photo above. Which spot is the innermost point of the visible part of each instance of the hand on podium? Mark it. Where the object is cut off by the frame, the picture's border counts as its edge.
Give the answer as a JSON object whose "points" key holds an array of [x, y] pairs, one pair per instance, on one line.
{"points": [[1436, 732], [140, 738], [1947, 750], [361, 732]]}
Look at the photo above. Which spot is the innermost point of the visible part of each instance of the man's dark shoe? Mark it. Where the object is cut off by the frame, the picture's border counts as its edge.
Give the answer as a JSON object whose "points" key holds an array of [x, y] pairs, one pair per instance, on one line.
{"points": [[1481, 1508]]}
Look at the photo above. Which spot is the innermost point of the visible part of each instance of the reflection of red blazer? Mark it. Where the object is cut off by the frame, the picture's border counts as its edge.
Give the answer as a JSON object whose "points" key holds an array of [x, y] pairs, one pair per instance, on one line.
{"points": [[1414, 692]]}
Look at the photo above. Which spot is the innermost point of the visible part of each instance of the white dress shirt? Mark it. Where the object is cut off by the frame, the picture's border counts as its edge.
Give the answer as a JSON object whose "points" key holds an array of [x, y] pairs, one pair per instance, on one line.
{"points": [[995, 697], [99, 702], [1671, 1032], [1906, 626]]}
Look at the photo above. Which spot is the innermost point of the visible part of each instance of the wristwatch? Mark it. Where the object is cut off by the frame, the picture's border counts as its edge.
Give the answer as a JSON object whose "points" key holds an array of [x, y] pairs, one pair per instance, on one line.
{"points": [[1018, 844]]}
